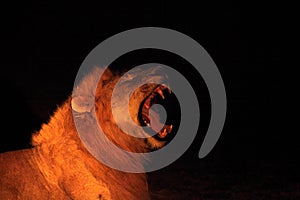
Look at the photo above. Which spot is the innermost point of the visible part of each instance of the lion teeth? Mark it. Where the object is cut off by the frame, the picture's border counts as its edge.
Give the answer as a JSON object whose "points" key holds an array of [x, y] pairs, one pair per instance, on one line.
{"points": [[160, 92], [148, 124], [163, 133], [170, 128]]}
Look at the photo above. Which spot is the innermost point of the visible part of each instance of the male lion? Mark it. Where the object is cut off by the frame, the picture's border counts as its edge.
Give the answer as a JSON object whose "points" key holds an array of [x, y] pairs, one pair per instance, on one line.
{"points": [[59, 166]]}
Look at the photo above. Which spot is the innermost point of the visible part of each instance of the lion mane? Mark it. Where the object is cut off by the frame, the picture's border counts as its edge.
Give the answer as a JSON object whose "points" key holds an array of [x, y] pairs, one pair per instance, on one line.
{"points": [[60, 167]]}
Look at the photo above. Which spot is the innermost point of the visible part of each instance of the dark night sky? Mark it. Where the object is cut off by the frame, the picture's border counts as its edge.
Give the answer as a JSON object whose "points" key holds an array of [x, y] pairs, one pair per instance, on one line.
{"points": [[43, 45]]}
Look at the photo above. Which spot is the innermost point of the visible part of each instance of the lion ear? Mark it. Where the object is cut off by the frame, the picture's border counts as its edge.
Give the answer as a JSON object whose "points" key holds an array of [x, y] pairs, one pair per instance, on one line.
{"points": [[82, 104]]}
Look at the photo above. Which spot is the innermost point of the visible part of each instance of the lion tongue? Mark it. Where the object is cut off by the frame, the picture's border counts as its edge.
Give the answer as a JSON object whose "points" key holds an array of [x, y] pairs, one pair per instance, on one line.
{"points": [[157, 126]]}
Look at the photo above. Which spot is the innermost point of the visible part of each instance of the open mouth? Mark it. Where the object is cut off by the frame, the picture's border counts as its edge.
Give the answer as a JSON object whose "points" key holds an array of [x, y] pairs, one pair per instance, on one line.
{"points": [[149, 117]]}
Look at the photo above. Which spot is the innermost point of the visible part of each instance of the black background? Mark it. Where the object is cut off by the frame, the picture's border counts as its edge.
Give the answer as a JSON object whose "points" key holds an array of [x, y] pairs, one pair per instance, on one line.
{"points": [[43, 45]]}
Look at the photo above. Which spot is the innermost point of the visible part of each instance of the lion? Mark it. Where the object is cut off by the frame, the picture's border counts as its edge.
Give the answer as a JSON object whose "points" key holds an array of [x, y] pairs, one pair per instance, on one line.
{"points": [[59, 166]]}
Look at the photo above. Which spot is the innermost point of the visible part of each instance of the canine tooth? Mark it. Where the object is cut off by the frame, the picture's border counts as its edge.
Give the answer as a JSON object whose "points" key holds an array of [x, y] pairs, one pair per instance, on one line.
{"points": [[170, 128], [160, 92], [163, 133]]}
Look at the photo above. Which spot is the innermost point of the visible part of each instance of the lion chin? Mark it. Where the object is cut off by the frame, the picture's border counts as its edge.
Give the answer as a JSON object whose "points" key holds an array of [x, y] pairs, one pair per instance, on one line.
{"points": [[60, 167]]}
